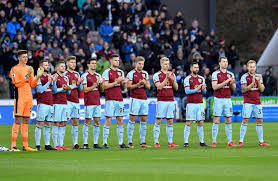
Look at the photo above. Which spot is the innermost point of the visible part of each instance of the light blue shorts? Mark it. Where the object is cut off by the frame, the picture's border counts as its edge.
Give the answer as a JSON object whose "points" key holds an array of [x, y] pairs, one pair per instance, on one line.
{"points": [[255, 110], [73, 110], [222, 106], [60, 112], [114, 108], [165, 109], [138, 107], [195, 112], [93, 111], [45, 112]]}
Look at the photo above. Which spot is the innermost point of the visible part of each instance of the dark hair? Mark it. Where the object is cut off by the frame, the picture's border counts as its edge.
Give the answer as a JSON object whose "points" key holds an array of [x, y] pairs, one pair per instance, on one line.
{"points": [[113, 56], [220, 58], [60, 62], [21, 52], [193, 63], [91, 59], [44, 60]]}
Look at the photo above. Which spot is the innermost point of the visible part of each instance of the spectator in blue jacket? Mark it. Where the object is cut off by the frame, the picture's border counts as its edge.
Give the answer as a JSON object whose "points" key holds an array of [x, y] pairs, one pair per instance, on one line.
{"points": [[12, 27], [106, 31]]}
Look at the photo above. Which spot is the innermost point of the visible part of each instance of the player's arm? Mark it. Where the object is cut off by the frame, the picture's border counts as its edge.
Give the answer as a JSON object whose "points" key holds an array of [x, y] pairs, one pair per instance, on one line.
{"points": [[244, 86], [41, 88], [217, 86], [260, 83], [67, 87], [33, 81], [233, 84], [147, 84], [107, 85], [131, 86], [175, 84], [56, 90], [80, 83], [204, 86], [17, 78]]}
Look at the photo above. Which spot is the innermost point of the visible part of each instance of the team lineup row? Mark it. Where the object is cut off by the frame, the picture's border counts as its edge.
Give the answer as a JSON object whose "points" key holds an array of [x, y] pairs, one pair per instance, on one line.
{"points": [[58, 101]]}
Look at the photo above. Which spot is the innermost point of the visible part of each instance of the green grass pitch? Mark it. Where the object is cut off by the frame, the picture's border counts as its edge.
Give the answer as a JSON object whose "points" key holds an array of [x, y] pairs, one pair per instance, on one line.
{"points": [[195, 163]]}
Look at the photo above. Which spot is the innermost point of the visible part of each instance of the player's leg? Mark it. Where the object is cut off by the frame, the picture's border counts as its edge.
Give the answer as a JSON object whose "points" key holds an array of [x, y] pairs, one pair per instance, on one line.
{"points": [[200, 120], [24, 134], [85, 132], [143, 131], [38, 132], [41, 116], [190, 116], [246, 113], [96, 131], [227, 113], [258, 114], [161, 109], [15, 128], [170, 119], [55, 132], [47, 126], [62, 127], [217, 112], [119, 113], [109, 113], [133, 113], [75, 120]]}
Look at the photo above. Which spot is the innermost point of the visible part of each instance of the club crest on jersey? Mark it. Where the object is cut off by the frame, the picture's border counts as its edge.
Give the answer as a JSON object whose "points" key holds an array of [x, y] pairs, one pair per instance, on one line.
{"points": [[229, 76], [144, 76], [119, 73], [65, 79], [76, 75], [200, 80]]}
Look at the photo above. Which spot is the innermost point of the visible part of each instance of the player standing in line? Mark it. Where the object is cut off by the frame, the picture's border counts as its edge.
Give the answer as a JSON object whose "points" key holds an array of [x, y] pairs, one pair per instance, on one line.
{"points": [[194, 86], [23, 79], [223, 81], [252, 85], [75, 83], [44, 107], [60, 88], [114, 106], [165, 83], [92, 84], [138, 82]]}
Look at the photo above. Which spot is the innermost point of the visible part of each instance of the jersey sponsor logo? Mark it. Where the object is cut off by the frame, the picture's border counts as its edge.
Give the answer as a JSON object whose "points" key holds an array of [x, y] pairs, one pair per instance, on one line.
{"points": [[73, 82]]}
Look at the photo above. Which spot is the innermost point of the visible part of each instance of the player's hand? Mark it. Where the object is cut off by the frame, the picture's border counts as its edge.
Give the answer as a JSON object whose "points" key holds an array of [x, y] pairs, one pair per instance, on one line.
{"points": [[254, 80], [125, 81], [54, 77], [259, 77], [49, 79], [40, 72], [232, 81], [199, 87], [120, 79], [144, 81], [80, 81], [204, 86], [66, 87]]}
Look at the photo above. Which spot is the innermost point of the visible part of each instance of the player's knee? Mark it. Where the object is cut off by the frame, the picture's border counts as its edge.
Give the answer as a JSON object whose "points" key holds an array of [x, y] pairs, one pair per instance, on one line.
{"points": [[216, 120], [88, 121], [245, 121], [158, 120], [40, 123], [188, 123], [170, 121], [200, 123], [259, 121]]}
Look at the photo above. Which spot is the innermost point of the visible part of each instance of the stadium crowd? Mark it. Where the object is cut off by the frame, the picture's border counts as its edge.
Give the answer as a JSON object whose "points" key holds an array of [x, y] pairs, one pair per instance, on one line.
{"points": [[99, 28]]}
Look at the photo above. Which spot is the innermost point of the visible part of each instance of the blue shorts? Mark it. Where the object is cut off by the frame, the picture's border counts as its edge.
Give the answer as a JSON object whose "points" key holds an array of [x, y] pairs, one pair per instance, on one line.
{"points": [[138, 107], [60, 112], [165, 109], [45, 112], [114, 108], [255, 110], [195, 112], [222, 106], [73, 110], [93, 111]]}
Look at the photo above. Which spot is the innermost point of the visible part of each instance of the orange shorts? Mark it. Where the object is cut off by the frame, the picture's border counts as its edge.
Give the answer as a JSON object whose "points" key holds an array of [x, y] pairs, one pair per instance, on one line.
{"points": [[23, 107]]}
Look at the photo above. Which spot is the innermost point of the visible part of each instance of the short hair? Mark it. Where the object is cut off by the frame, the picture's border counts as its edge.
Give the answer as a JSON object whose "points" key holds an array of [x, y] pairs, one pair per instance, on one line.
{"points": [[91, 59], [71, 58], [164, 59], [194, 63], [251, 61], [21, 52], [220, 58], [139, 58], [44, 60], [113, 56], [60, 62]]}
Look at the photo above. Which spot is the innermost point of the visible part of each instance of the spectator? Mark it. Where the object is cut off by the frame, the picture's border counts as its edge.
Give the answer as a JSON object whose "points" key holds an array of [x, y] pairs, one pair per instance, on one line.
{"points": [[89, 11], [4, 86], [268, 83], [232, 54], [106, 31], [102, 64], [148, 20], [12, 27]]}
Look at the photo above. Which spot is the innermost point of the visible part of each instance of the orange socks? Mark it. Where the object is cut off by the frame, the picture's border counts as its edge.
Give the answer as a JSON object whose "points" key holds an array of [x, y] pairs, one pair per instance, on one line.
{"points": [[14, 134], [24, 134]]}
